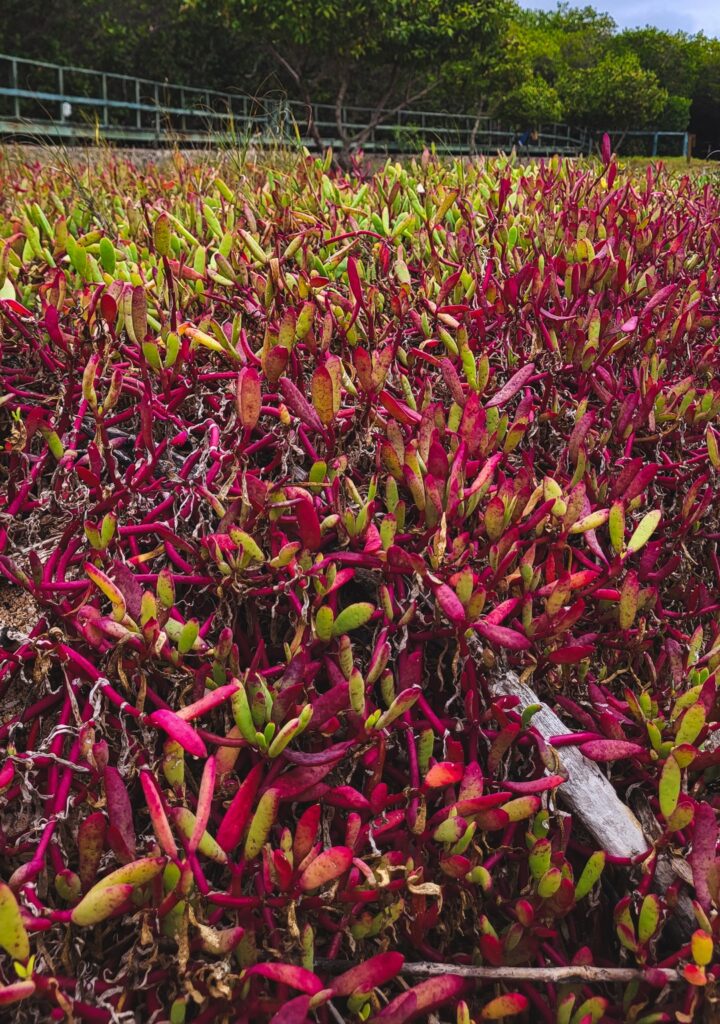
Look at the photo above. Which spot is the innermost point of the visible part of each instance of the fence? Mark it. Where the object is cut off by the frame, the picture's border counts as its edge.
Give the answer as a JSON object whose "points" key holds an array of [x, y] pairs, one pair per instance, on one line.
{"points": [[651, 143], [52, 101]]}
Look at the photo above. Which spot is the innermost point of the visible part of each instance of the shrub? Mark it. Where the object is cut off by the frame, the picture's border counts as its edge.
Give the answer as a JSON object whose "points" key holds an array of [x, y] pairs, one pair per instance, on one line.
{"points": [[294, 466]]}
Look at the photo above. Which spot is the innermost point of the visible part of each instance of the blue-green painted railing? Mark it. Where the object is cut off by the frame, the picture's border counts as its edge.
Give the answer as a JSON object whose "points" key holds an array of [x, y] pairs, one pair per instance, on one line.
{"points": [[53, 101]]}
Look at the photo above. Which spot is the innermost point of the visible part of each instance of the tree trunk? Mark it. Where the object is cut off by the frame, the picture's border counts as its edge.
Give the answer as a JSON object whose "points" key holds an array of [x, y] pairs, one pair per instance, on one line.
{"points": [[474, 130]]}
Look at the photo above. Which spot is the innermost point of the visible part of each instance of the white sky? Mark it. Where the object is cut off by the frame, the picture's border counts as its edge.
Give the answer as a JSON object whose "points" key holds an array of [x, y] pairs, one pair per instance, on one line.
{"points": [[690, 16]]}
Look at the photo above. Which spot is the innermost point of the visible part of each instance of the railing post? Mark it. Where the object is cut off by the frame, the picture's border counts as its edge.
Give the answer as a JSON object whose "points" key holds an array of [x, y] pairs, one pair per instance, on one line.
{"points": [[685, 145], [15, 85], [138, 111], [655, 144], [106, 110], [183, 118], [61, 91], [157, 110]]}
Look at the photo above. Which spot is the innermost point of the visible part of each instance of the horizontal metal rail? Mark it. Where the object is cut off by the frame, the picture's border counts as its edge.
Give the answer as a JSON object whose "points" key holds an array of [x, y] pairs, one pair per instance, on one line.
{"points": [[39, 99], [621, 140]]}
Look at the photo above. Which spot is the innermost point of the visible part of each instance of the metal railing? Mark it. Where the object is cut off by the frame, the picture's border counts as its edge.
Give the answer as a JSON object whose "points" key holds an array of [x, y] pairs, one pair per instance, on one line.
{"points": [[53, 101], [651, 143]]}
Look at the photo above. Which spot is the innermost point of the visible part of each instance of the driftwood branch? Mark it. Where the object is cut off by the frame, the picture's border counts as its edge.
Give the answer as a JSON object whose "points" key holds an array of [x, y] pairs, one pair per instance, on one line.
{"points": [[587, 792], [592, 798], [547, 975]]}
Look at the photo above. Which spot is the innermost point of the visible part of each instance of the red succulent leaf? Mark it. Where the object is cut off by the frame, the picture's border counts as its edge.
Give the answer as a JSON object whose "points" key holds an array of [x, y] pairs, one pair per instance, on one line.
{"points": [[288, 974], [610, 750], [423, 998], [368, 975], [178, 730]]}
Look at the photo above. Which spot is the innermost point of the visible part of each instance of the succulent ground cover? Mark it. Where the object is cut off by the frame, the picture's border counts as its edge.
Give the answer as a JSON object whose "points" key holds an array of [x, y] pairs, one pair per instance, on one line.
{"points": [[294, 465]]}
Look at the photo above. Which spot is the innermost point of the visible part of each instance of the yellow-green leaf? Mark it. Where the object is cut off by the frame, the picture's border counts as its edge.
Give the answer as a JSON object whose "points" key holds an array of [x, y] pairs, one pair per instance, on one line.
{"points": [[184, 821], [249, 546], [352, 617], [165, 588], [590, 522], [100, 903], [539, 860], [549, 883], [242, 714], [644, 531], [107, 255], [691, 724], [649, 918], [629, 593], [324, 623], [669, 788], [111, 591], [137, 872], [402, 703], [13, 936], [593, 1008], [161, 235], [188, 636], [590, 874], [263, 820], [616, 526]]}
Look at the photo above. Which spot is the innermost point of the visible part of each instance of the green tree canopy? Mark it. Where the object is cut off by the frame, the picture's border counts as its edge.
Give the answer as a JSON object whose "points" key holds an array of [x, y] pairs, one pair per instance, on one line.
{"points": [[616, 93], [674, 57], [532, 103], [383, 54]]}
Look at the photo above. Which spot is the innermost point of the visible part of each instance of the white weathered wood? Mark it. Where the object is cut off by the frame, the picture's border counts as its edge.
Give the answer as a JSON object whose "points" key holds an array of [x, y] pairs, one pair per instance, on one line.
{"points": [[545, 975], [587, 792]]}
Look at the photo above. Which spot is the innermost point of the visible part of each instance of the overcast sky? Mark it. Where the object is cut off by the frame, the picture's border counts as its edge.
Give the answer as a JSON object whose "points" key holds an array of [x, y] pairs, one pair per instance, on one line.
{"points": [[688, 16]]}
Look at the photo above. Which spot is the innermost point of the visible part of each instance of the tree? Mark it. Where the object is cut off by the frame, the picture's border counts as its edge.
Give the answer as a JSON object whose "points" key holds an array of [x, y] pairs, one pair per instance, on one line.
{"points": [[533, 103], [383, 54], [674, 57], [705, 110], [566, 37], [158, 39], [616, 93]]}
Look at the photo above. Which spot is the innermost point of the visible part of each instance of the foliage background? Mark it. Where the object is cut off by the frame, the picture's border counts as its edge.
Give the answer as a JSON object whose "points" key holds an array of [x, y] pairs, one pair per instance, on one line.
{"points": [[487, 56]]}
